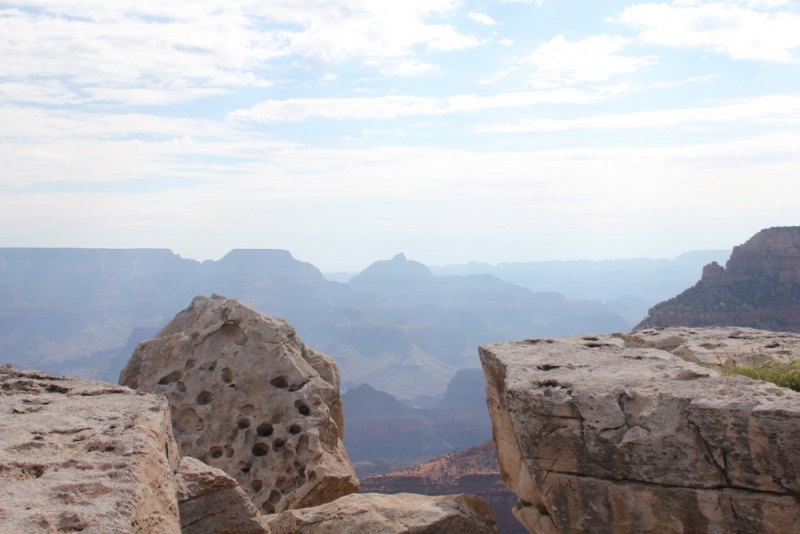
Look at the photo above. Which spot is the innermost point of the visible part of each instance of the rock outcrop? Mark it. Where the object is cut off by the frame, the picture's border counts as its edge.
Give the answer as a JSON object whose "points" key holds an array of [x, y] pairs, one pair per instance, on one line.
{"points": [[210, 501], [84, 456], [405, 513], [594, 435], [759, 287], [248, 397], [474, 471]]}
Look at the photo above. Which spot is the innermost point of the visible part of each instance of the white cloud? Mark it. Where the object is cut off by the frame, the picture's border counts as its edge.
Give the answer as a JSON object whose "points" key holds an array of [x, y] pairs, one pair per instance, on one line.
{"points": [[506, 42], [594, 59], [781, 108], [183, 44], [482, 18], [725, 28], [394, 106]]}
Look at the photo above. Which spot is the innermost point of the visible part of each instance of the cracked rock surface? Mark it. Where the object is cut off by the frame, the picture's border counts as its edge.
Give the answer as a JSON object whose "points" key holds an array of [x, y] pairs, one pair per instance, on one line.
{"points": [[248, 397], [596, 435], [84, 456]]}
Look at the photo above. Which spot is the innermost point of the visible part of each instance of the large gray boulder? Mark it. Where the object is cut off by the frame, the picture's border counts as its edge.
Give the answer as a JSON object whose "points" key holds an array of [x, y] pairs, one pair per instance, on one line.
{"points": [[84, 456], [596, 436], [248, 397]]}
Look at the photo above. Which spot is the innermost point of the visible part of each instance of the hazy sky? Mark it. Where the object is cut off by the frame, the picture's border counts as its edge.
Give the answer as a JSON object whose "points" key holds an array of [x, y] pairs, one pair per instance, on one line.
{"points": [[349, 130]]}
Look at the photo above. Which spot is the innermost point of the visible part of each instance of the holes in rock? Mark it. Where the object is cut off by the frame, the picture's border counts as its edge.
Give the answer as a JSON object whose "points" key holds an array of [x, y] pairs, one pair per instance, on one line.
{"points": [[216, 452], [248, 409], [189, 364], [208, 366], [591, 338], [278, 443], [302, 408], [595, 345], [264, 430], [276, 419], [268, 508], [53, 388], [181, 387], [274, 497], [547, 367], [303, 451], [256, 486], [772, 346], [260, 449], [233, 333], [204, 398], [279, 382], [228, 452], [298, 387], [187, 420], [243, 423], [244, 467], [549, 384], [295, 429], [227, 375], [171, 378]]}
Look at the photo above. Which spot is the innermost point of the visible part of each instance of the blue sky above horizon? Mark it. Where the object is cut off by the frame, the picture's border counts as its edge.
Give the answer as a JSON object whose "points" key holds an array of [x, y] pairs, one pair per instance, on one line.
{"points": [[347, 131]]}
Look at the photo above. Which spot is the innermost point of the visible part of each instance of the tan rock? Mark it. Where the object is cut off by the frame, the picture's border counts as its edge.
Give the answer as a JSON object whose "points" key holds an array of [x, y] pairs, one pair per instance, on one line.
{"points": [[593, 435], [249, 398], [211, 502], [78, 455], [402, 513]]}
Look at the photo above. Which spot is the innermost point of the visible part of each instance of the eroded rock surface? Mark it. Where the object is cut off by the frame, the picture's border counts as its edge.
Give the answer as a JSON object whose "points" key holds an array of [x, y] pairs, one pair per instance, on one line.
{"points": [[248, 397], [210, 501], [594, 435], [84, 456], [403, 513]]}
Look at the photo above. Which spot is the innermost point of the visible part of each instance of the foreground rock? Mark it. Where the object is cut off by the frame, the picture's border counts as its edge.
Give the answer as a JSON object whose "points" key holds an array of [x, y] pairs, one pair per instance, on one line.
{"points": [[759, 287], [84, 456], [212, 502], [405, 513], [249, 398], [593, 435]]}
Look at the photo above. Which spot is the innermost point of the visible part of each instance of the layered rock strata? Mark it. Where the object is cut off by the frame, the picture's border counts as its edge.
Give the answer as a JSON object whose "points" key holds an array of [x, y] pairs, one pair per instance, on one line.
{"points": [[404, 513], [248, 397], [84, 456], [596, 436], [759, 287]]}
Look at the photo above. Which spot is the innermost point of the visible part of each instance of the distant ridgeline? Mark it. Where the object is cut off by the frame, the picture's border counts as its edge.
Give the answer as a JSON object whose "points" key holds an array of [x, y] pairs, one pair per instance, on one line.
{"points": [[759, 287], [396, 326]]}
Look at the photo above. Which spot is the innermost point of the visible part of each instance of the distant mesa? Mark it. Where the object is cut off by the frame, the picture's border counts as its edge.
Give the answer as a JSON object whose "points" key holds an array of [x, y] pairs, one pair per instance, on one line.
{"points": [[759, 287]]}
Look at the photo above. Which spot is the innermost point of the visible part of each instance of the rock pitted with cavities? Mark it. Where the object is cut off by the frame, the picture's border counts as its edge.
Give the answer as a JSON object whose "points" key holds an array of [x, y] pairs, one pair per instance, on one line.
{"points": [[248, 397]]}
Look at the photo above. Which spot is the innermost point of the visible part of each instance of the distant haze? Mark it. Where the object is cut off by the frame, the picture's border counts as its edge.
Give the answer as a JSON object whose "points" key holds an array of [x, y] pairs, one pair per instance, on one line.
{"points": [[451, 130]]}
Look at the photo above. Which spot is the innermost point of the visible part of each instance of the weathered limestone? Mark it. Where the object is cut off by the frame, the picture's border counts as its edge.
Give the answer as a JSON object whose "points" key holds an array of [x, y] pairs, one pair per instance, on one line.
{"points": [[78, 455], [402, 513], [248, 397], [210, 501], [718, 347], [596, 436]]}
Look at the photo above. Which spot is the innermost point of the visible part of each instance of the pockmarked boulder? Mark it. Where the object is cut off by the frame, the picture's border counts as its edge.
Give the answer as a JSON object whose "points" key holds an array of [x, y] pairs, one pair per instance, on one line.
{"points": [[402, 513], [248, 397], [210, 501], [84, 456], [596, 436]]}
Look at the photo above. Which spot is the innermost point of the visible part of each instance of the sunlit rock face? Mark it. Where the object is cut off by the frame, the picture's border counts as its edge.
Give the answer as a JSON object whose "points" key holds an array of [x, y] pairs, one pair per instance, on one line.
{"points": [[594, 435], [759, 287], [248, 397], [84, 456]]}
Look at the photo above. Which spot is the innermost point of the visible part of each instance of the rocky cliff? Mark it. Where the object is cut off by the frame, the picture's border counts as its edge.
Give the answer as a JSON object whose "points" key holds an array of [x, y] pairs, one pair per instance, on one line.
{"points": [[608, 434], [759, 287], [242, 392]]}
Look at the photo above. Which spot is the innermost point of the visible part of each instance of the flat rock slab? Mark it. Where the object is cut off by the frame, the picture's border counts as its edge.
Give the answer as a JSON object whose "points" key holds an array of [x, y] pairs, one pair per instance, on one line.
{"points": [[248, 397], [592, 434], [402, 513], [84, 456]]}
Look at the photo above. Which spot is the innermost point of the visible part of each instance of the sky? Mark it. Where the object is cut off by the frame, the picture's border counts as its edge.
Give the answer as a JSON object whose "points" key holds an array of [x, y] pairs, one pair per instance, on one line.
{"points": [[347, 131]]}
